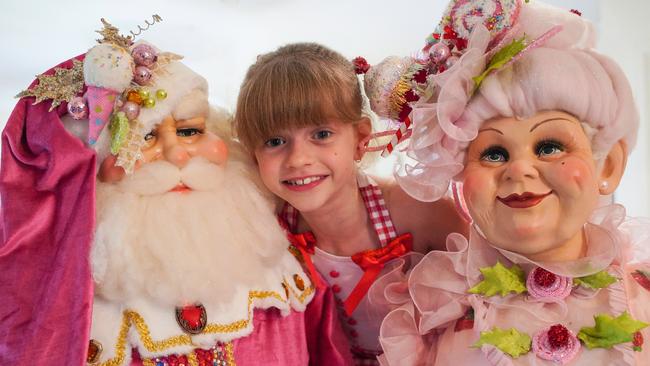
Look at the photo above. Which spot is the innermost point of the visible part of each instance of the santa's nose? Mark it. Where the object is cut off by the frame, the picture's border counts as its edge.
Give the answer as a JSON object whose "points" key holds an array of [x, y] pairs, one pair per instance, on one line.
{"points": [[173, 151]]}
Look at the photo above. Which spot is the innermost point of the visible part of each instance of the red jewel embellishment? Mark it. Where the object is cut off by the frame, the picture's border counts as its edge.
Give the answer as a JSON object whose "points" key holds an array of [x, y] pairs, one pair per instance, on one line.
{"points": [[336, 288], [558, 336], [334, 274], [544, 278], [352, 321], [192, 318]]}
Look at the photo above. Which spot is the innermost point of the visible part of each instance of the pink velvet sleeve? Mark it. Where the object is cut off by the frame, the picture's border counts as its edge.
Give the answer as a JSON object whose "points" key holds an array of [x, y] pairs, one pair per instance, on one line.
{"points": [[47, 216], [326, 341]]}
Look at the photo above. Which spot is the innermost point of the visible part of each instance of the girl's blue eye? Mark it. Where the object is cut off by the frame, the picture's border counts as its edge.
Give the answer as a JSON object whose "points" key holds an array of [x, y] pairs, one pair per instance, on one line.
{"points": [[322, 134], [274, 141], [495, 154], [187, 132], [548, 148]]}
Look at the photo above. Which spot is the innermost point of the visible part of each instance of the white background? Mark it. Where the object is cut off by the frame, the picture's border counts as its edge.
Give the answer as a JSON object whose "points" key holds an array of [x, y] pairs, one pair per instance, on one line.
{"points": [[220, 39]]}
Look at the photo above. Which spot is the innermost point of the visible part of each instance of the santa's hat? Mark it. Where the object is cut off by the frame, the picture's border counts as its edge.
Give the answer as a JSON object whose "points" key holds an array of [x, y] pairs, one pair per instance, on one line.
{"points": [[128, 96]]}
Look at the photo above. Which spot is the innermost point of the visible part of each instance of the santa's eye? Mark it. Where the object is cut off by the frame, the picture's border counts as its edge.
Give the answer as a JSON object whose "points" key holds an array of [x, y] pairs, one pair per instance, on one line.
{"points": [[187, 132]]}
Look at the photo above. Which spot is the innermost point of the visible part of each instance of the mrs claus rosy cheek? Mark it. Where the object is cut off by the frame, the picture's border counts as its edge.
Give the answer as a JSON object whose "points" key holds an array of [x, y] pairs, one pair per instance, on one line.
{"points": [[572, 170]]}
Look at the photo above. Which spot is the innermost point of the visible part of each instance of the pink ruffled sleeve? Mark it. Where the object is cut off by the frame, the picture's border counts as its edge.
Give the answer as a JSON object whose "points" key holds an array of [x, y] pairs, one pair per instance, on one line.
{"points": [[433, 298]]}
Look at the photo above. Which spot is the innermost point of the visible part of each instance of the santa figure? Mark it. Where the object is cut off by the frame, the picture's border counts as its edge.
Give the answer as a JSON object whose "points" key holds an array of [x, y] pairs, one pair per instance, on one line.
{"points": [[133, 232]]}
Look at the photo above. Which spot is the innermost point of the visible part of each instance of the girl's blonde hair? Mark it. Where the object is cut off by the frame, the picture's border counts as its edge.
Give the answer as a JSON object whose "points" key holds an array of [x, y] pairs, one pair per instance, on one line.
{"points": [[297, 85]]}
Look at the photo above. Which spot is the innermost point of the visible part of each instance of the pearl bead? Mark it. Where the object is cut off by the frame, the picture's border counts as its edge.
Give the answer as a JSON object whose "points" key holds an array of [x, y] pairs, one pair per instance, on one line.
{"points": [[144, 93], [149, 103], [161, 94]]}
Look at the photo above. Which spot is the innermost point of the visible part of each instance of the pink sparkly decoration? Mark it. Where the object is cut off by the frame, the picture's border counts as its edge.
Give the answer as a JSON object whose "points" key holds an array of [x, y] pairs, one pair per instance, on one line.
{"points": [[100, 107], [142, 75], [144, 55], [131, 110], [439, 52], [77, 108], [545, 286], [557, 344]]}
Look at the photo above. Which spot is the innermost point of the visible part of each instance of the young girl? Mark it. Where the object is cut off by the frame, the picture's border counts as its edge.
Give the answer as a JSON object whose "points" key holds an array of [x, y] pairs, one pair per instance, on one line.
{"points": [[300, 113], [547, 276]]}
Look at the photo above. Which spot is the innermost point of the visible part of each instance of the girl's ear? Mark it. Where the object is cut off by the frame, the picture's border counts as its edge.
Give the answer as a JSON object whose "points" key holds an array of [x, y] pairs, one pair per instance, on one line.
{"points": [[613, 167], [363, 131]]}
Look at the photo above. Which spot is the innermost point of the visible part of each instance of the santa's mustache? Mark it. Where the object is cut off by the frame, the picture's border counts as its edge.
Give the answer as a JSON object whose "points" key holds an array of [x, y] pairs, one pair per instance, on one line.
{"points": [[160, 177]]}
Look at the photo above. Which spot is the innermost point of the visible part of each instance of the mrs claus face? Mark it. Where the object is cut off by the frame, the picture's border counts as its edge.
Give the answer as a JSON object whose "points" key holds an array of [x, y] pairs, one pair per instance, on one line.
{"points": [[531, 184]]}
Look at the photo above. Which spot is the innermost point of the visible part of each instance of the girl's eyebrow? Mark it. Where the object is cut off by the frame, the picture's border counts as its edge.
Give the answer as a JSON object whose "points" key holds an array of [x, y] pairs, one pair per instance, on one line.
{"points": [[549, 120], [490, 129]]}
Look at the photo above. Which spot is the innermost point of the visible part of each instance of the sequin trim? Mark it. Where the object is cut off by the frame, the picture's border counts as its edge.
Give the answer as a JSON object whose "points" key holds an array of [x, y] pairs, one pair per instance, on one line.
{"points": [[133, 318]]}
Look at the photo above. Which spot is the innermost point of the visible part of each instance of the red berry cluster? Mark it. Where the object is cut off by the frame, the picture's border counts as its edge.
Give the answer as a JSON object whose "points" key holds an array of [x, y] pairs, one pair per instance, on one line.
{"points": [[361, 66], [544, 278], [558, 336]]}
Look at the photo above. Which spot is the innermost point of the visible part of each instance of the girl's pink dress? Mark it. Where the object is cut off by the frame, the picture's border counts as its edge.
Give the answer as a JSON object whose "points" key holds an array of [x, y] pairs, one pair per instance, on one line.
{"points": [[439, 321]]}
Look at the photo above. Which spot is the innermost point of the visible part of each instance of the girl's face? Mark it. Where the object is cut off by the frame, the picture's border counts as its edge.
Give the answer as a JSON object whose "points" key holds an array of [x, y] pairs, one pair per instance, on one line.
{"points": [[531, 184], [309, 167]]}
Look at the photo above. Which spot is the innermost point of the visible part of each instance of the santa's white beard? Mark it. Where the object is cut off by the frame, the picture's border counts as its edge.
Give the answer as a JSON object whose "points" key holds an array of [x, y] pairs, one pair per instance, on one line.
{"points": [[180, 248]]}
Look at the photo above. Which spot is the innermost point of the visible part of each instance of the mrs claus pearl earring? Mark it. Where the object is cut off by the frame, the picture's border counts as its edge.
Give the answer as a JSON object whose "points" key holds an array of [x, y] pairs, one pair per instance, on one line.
{"points": [[603, 185]]}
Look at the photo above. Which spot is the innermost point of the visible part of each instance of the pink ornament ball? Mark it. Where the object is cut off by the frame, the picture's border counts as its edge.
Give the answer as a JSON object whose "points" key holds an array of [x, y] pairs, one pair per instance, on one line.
{"points": [[439, 52], [77, 108], [142, 75], [144, 55], [131, 110]]}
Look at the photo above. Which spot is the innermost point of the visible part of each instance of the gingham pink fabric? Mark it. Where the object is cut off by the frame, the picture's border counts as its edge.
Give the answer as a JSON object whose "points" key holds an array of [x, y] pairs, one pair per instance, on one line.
{"points": [[375, 205]]}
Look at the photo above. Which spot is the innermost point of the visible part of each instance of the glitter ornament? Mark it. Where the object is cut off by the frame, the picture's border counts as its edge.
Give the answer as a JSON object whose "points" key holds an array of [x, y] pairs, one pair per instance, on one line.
{"points": [[131, 110], [77, 108], [142, 75], [144, 55], [149, 103], [161, 94], [439, 52]]}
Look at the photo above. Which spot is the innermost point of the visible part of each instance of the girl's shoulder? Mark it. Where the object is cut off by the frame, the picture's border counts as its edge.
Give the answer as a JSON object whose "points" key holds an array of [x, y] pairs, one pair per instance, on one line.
{"points": [[428, 222]]}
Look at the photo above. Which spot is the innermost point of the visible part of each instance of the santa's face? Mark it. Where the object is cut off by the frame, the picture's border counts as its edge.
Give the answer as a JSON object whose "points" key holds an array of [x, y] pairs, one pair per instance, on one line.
{"points": [[174, 141]]}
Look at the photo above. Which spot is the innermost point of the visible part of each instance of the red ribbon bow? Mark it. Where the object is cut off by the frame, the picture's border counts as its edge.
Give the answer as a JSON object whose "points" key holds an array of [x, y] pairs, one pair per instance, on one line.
{"points": [[372, 262], [305, 243]]}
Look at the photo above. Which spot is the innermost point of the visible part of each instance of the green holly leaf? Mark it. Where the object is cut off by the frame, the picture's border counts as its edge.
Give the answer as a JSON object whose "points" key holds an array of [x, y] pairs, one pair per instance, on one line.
{"points": [[610, 331], [501, 280], [597, 280], [500, 58], [119, 129], [510, 341]]}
